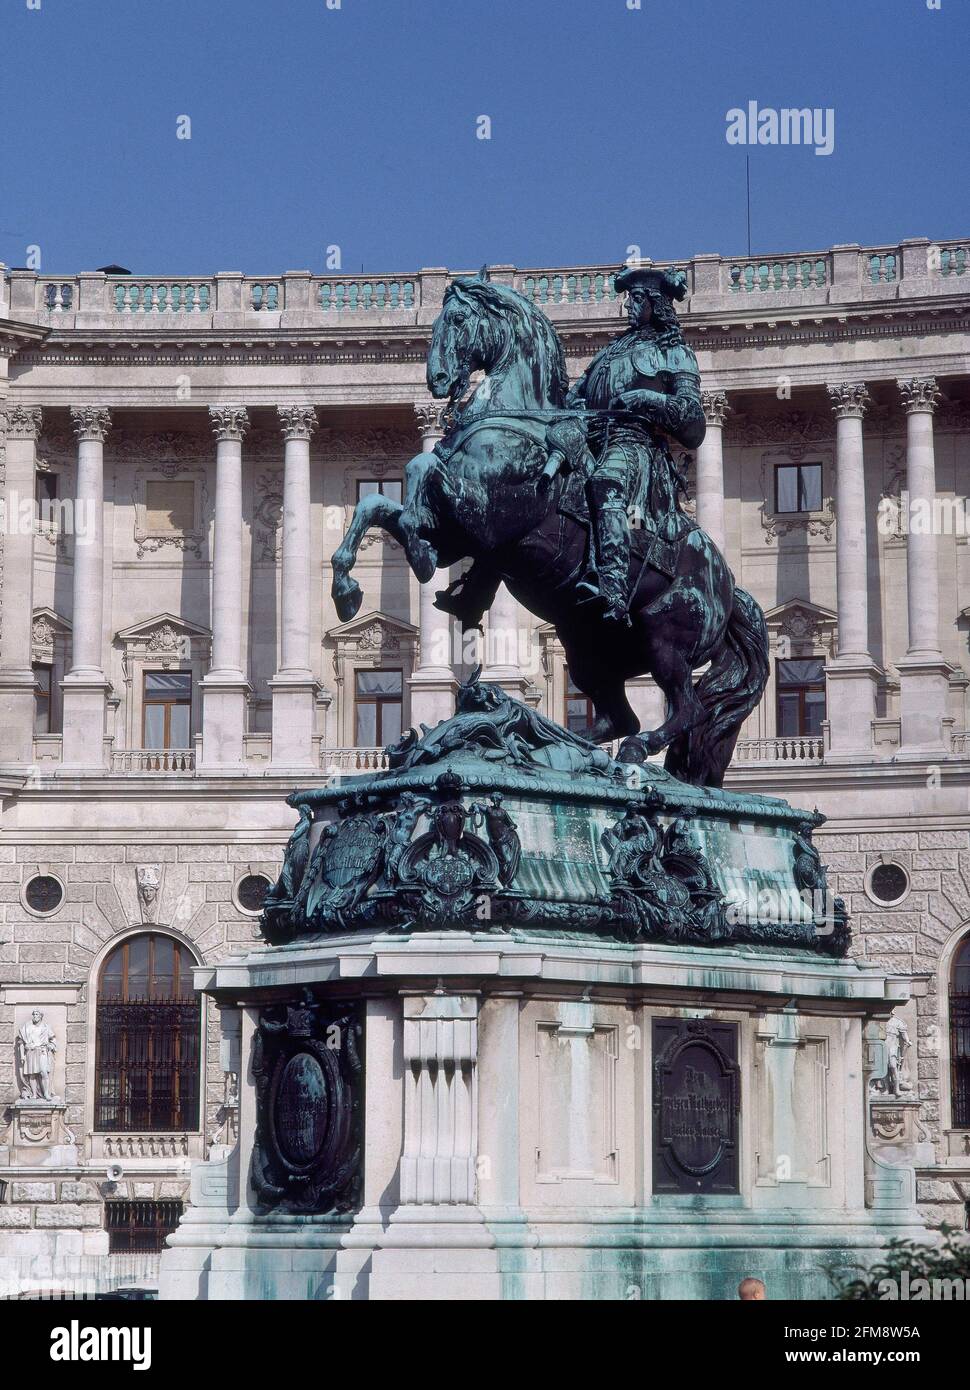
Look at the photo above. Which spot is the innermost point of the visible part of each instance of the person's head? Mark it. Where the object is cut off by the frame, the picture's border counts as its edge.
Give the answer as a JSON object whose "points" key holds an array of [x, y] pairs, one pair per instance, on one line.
{"points": [[36, 1016], [650, 295], [750, 1290]]}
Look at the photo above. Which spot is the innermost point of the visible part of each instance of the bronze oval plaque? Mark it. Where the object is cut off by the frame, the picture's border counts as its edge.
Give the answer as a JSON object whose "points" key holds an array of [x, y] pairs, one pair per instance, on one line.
{"points": [[302, 1109]]}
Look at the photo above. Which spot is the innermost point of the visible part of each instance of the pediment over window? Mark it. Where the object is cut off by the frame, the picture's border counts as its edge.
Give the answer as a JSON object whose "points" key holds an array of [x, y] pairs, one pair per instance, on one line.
{"points": [[49, 630], [805, 627], [375, 633], [165, 638]]}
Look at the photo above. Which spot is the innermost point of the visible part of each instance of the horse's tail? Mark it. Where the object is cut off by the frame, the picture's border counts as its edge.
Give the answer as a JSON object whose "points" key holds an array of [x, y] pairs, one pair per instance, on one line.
{"points": [[729, 690]]}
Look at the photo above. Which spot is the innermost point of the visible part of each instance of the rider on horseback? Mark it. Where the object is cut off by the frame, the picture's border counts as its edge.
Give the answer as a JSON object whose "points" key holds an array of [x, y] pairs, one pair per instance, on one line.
{"points": [[646, 383]]}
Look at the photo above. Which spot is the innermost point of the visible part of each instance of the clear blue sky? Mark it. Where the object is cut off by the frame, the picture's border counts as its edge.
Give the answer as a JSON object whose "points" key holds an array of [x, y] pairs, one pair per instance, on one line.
{"points": [[356, 126]]}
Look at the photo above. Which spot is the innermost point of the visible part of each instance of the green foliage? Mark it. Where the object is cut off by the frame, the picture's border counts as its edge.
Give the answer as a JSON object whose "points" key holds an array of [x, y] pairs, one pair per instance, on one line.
{"points": [[948, 1258]]}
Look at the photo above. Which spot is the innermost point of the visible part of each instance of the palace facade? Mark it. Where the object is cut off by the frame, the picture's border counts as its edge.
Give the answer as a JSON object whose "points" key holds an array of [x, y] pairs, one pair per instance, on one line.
{"points": [[180, 459]]}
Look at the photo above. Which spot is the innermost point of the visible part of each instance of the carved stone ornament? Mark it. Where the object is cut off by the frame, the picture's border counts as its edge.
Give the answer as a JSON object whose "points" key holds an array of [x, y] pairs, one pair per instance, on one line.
{"points": [[919, 393], [776, 524], [850, 399], [91, 422], [148, 878], [308, 1076], [268, 514], [716, 408], [23, 421], [149, 539], [229, 421], [378, 637], [431, 419], [297, 421]]}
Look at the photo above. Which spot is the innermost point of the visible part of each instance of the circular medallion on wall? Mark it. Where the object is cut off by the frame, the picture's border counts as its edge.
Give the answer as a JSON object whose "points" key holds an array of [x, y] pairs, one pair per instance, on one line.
{"points": [[43, 894], [887, 883], [251, 892]]}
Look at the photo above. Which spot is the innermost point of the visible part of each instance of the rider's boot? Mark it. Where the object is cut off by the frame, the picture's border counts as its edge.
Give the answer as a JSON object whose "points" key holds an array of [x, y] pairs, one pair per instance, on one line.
{"points": [[608, 581]]}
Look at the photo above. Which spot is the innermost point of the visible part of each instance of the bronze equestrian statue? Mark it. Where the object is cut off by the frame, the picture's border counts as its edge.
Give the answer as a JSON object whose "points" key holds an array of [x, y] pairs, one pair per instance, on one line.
{"points": [[572, 499]]}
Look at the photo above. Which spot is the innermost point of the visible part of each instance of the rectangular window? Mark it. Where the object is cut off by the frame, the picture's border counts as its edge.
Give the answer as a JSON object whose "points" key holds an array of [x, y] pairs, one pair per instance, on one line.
{"points": [[140, 1228], [798, 487], [388, 487], [169, 506], [43, 694], [579, 708], [378, 707], [800, 697], [167, 709]]}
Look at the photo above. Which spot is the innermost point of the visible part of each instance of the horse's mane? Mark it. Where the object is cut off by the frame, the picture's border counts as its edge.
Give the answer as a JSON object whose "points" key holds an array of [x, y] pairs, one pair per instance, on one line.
{"points": [[529, 326]]}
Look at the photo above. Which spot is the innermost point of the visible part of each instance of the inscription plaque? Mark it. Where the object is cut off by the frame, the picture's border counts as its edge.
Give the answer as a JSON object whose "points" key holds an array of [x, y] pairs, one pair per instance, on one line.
{"points": [[696, 1105], [301, 1109]]}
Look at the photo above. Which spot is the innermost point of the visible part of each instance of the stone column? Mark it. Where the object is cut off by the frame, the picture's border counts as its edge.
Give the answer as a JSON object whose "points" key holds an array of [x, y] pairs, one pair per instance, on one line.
{"points": [[710, 467], [293, 686], [502, 628], [923, 673], [851, 677], [23, 424], [433, 682], [85, 686], [224, 688]]}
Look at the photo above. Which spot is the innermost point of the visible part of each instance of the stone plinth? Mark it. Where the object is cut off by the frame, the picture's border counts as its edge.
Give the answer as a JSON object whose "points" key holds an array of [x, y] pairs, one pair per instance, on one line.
{"points": [[503, 1120]]}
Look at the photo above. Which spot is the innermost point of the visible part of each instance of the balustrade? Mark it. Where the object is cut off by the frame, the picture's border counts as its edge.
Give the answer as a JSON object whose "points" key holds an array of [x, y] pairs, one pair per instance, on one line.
{"points": [[359, 296], [763, 277], [161, 297]]}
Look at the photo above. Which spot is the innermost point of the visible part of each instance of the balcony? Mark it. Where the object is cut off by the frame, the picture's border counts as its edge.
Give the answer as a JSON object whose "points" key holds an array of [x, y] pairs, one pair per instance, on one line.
{"points": [[178, 761], [802, 749]]}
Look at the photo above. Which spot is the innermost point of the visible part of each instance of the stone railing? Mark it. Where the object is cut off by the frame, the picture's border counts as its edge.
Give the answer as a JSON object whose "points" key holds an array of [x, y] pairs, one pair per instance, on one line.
{"points": [[803, 749], [839, 275], [960, 743], [121, 1146], [153, 760], [337, 760]]}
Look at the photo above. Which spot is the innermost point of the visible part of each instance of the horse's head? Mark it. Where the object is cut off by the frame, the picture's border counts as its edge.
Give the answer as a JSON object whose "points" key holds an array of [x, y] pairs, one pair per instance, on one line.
{"points": [[455, 350], [495, 329]]}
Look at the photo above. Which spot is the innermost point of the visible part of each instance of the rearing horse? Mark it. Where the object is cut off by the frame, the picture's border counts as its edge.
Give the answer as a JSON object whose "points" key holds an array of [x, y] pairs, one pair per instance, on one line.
{"points": [[482, 494]]}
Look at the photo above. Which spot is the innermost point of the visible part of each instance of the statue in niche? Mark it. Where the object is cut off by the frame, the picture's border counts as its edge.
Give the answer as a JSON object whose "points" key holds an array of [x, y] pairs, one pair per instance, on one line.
{"points": [[36, 1046]]}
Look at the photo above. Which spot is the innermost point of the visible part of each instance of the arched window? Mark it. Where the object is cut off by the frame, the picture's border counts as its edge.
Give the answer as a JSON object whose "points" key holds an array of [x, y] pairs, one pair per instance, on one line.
{"points": [[147, 1055], [960, 1035]]}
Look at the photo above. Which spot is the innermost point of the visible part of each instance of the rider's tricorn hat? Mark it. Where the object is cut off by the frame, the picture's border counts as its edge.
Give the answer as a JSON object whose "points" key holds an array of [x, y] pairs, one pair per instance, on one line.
{"points": [[670, 283]]}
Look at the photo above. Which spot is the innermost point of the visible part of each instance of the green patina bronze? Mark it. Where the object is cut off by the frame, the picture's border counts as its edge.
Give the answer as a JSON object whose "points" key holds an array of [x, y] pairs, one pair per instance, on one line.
{"points": [[571, 497], [499, 818]]}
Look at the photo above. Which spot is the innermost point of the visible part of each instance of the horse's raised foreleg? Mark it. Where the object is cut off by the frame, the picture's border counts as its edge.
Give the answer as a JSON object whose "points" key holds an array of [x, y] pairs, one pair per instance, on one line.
{"points": [[372, 510], [402, 522]]}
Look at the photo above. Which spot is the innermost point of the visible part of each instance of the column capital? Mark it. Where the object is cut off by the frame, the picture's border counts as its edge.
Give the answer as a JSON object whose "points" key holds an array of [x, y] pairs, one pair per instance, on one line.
{"points": [[430, 417], [297, 421], [91, 421], [715, 407], [849, 399], [229, 421], [919, 393], [21, 421]]}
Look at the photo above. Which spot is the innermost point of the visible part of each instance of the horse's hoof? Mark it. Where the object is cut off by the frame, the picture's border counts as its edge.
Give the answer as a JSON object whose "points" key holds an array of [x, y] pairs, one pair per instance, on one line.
{"points": [[424, 561], [631, 750], [347, 598]]}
